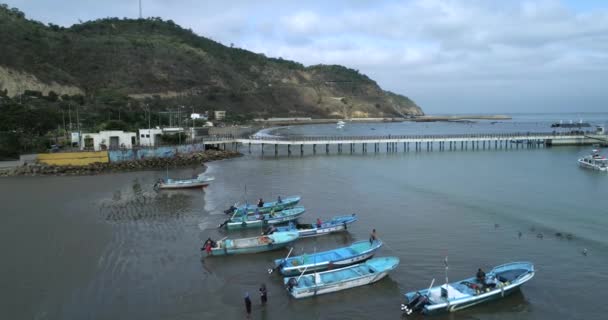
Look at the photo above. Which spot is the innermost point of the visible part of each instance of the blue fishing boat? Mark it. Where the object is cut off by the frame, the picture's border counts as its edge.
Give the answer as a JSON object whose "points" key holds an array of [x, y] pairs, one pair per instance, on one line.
{"points": [[257, 244], [267, 207], [240, 221], [336, 258], [313, 284], [451, 297], [336, 224]]}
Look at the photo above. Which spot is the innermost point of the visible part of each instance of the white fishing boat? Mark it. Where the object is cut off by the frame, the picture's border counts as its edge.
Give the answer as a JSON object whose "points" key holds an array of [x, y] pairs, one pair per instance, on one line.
{"points": [[594, 161], [313, 284], [198, 182]]}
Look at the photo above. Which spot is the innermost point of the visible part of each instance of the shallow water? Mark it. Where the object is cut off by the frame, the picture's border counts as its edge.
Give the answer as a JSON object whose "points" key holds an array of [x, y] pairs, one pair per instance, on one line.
{"points": [[108, 247]]}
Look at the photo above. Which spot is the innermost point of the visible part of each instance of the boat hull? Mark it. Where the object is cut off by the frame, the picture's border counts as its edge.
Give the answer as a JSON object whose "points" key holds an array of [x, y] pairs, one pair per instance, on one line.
{"points": [[272, 206], [298, 294], [326, 265], [587, 165], [331, 259], [464, 297], [183, 186], [340, 279], [337, 224], [278, 218], [233, 251], [252, 245]]}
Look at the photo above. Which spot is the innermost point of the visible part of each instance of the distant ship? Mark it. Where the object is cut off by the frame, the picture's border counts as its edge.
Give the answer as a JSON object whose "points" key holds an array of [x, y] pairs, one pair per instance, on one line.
{"points": [[579, 124]]}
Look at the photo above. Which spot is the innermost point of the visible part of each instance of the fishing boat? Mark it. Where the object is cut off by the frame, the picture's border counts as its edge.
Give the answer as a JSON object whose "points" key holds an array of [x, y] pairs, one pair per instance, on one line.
{"points": [[308, 285], [266, 207], [451, 297], [594, 161], [274, 241], [239, 221], [306, 230], [336, 258], [198, 182]]}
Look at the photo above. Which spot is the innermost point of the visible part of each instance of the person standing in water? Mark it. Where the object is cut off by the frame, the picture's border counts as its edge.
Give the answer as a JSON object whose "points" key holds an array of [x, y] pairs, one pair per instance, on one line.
{"points": [[263, 294], [247, 304], [372, 236]]}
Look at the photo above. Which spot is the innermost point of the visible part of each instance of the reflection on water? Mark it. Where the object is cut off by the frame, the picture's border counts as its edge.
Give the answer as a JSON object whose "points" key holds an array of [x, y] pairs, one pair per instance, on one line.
{"points": [[109, 247]]}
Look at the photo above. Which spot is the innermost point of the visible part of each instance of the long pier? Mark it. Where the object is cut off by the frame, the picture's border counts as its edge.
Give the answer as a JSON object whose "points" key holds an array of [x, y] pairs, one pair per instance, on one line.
{"points": [[394, 143]]}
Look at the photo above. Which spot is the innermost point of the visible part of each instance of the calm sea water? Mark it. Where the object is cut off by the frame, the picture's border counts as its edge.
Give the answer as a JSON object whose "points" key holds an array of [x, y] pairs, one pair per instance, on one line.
{"points": [[109, 247]]}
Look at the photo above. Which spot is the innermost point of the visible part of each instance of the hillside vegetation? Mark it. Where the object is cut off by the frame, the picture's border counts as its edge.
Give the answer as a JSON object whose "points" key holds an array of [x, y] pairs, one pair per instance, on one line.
{"points": [[116, 66]]}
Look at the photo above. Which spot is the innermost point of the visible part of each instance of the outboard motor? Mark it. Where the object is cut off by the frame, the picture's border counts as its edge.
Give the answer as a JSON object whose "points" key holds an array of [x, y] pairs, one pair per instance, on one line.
{"points": [[292, 282], [230, 210], [416, 304]]}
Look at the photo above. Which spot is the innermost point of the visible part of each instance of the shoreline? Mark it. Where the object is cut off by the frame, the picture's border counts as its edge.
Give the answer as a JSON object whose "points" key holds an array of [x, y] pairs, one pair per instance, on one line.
{"points": [[182, 160], [425, 118]]}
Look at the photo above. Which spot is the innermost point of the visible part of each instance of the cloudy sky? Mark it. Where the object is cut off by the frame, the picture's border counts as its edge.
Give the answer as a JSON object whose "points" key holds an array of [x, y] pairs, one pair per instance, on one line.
{"points": [[448, 56]]}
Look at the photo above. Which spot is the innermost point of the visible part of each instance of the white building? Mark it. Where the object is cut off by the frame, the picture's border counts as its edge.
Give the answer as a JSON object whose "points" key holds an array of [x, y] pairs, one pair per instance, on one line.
{"points": [[104, 140], [149, 137], [219, 115]]}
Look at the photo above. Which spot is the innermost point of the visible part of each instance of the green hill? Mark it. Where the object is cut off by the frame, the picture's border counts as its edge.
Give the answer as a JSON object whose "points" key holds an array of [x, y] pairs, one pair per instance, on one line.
{"points": [[148, 57], [109, 69]]}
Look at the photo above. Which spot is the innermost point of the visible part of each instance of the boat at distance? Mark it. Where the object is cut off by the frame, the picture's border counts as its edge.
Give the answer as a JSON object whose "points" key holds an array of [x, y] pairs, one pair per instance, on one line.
{"points": [[198, 182], [336, 258], [594, 161], [288, 202], [336, 224], [257, 244], [314, 284], [240, 221], [451, 297]]}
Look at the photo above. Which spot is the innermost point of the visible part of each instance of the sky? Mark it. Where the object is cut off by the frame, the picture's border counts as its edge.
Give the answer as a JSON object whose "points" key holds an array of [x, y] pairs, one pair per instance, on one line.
{"points": [[449, 56]]}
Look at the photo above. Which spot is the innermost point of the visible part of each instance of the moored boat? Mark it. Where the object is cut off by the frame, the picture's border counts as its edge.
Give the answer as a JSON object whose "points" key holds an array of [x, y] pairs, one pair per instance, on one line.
{"points": [[239, 221], [257, 244], [313, 284], [336, 224], [336, 258], [451, 297], [594, 161], [267, 207], [198, 182]]}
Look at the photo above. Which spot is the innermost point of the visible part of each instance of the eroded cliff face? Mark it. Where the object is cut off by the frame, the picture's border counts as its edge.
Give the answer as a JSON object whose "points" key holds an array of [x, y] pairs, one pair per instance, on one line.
{"points": [[17, 82]]}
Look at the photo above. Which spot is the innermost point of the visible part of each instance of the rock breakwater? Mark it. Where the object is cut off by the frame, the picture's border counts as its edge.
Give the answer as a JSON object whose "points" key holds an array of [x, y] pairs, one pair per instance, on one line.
{"points": [[181, 160]]}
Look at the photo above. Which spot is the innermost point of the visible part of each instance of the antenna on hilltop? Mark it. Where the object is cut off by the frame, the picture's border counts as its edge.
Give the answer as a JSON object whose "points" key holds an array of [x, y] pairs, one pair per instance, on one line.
{"points": [[140, 9]]}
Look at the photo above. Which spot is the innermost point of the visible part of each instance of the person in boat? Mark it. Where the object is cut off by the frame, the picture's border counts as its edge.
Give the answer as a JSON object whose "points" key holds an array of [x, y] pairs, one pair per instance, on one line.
{"points": [[260, 203], [481, 276], [319, 223], [279, 200], [230, 210], [270, 230], [208, 245], [372, 236]]}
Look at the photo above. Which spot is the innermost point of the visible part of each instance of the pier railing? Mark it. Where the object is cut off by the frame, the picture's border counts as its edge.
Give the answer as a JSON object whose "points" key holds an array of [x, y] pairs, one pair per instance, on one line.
{"points": [[476, 136]]}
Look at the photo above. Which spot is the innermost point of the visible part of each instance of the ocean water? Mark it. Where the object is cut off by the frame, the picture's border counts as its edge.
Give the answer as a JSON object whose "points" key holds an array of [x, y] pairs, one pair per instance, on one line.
{"points": [[109, 247]]}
